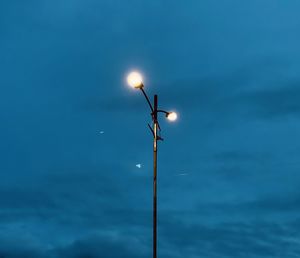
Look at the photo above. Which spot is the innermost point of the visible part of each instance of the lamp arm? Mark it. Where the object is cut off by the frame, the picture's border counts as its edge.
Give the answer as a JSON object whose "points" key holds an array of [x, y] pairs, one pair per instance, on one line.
{"points": [[149, 103], [163, 111]]}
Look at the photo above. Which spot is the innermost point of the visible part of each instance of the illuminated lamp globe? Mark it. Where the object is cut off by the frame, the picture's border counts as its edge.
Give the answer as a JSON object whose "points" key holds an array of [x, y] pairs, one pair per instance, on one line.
{"points": [[135, 80], [172, 116]]}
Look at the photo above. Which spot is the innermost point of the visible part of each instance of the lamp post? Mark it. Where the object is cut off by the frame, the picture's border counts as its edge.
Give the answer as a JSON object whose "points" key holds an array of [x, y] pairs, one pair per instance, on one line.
{"points": [[135, 80]]}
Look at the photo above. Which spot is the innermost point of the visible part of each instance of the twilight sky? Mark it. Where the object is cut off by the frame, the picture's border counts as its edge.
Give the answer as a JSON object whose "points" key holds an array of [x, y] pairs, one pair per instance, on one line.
{"points": [[228, 170]]}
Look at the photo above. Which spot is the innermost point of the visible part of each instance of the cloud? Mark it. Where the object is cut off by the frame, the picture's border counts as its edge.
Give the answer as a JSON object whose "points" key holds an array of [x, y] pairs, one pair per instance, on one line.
{"points": [[105, 246], [276, 102], [71, 193], [242, 94], [250, 238], [15, 246], [62, 206], [75, 212]]}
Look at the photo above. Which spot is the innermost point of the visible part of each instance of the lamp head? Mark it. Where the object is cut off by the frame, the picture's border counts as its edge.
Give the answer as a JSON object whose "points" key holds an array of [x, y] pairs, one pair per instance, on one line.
{"points": [[135, 80], [171, 116]]}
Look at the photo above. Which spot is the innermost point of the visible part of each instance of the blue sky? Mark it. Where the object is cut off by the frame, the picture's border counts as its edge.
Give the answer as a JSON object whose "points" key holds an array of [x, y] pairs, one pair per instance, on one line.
{"points": [[228, 170]]}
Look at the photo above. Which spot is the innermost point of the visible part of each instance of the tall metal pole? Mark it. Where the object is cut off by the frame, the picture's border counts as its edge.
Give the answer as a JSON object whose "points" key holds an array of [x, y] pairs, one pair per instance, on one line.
{"points": [[135, 80], [155, 125]]}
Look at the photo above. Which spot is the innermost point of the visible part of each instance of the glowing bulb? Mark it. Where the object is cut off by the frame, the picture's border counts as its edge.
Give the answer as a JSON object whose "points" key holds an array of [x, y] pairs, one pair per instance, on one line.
{"points": [[172, 116], [135, 80]]}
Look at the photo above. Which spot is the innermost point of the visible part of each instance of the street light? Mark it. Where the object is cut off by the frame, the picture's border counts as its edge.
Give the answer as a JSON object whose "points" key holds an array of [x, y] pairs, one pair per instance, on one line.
{"points": [[135, 80], [171, 116]]}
